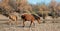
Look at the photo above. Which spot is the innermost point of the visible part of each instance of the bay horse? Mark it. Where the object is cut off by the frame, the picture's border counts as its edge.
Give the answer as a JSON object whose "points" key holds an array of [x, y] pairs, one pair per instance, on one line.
{"points": [[29, 17]]}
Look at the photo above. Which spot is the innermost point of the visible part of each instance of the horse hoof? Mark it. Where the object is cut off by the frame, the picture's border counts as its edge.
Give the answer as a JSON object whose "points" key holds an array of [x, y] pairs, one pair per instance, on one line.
{"points": [[29, 26], [22, 26], [43, 22]]}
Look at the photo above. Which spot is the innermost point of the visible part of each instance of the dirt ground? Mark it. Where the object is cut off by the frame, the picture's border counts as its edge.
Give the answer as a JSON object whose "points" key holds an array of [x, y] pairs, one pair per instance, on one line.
{"points": [[47, 26]]}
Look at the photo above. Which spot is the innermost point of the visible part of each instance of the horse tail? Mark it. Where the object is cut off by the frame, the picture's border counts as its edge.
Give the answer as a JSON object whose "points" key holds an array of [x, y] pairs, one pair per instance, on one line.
{"points": [[38, 20]]}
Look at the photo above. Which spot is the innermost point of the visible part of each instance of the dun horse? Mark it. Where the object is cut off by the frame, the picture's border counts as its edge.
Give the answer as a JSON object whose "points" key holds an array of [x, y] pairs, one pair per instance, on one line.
{"points": [[11, 18], [29, 17], [6, 13]]}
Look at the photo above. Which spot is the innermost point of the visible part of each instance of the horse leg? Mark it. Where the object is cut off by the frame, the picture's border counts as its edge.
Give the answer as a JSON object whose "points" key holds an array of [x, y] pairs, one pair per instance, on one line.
{"points": [[38, 21], [23, 23], [16, 22], [31, 23], [9, 22]]}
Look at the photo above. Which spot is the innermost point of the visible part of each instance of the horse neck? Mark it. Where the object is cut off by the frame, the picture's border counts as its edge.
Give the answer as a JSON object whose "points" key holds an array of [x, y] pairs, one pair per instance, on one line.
{"points": [[6, 15]]}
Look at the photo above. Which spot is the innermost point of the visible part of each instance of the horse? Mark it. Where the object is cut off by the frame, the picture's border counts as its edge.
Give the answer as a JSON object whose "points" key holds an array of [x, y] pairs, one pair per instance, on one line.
{"points": [[9, 14], [29, 17], [11, 17]]}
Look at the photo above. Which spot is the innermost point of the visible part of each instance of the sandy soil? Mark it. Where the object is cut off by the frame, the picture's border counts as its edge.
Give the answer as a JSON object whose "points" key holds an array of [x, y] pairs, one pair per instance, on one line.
{"points": [[47, 26]]}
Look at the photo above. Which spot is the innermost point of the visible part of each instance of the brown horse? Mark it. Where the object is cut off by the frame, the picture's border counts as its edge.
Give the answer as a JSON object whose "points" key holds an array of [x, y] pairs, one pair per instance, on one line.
{"points": [[29, 17]]}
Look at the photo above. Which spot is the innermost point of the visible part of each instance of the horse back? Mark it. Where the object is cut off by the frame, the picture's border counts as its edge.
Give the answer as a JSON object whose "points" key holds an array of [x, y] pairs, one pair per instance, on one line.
{"points": [[13, 17], [27, 17]]}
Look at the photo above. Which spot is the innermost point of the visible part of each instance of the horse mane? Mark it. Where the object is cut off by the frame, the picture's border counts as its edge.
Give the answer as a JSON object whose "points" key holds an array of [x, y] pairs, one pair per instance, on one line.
{"points": [[6, 15], [35, 16]]}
